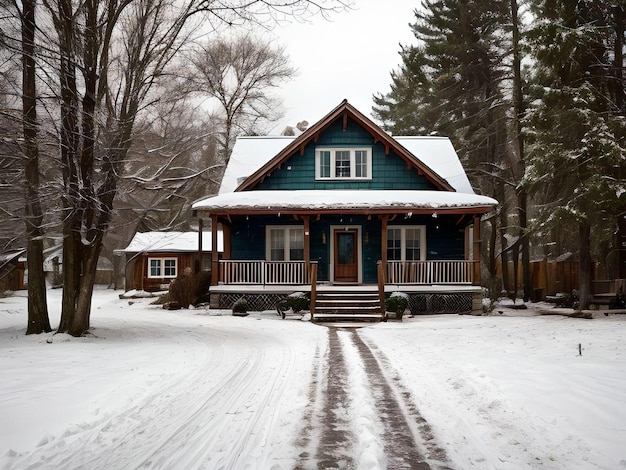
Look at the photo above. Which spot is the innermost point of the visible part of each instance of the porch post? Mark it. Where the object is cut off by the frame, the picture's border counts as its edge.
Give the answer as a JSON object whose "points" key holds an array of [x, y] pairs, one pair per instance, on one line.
{"points": [[307, 248], [476, 251], [214, 252], [383, 240]]}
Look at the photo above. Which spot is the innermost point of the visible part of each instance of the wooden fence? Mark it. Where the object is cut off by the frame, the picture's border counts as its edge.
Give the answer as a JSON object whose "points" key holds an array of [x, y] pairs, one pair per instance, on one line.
{"points": [[551, 277]]}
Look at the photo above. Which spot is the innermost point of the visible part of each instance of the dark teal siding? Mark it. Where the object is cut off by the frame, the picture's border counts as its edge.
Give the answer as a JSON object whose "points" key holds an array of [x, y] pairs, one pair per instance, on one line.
{"points": [[248, 235], [388, 171], [444, 239]]}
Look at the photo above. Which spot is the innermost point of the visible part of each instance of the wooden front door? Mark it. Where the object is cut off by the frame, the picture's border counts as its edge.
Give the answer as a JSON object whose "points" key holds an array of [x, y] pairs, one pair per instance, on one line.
{"points": [[346, 262]]}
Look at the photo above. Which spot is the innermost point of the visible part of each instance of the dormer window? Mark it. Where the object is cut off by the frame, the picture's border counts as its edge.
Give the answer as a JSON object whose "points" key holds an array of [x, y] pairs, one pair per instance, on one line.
{"points": [[343, 163]]}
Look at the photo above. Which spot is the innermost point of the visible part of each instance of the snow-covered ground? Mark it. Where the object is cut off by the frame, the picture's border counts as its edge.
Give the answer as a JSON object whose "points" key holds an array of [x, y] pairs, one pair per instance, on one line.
{"points": [[202, 389]]}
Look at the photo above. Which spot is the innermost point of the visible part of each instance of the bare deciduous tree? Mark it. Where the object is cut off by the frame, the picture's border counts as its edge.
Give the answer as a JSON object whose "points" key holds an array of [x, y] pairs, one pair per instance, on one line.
{"points": [[38, 320], [239, 75], [101, 60]]}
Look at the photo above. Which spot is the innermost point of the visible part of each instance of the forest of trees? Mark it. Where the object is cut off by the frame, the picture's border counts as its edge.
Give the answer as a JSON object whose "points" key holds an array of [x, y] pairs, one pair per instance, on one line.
{"points": [[103, 132], [96, 115], [532, 96]]}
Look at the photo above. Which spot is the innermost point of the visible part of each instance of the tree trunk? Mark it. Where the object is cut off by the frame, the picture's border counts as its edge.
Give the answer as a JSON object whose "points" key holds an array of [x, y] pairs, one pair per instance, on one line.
{"points": [[518, 145], [38, 320], [491, 253], [71, 273], [584, 242], [81, 319], [504, 244], [524, 243], [504, 257]]}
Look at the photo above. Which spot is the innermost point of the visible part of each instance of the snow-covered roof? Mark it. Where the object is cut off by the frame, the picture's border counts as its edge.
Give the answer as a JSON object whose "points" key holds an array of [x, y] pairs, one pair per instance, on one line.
{"points": [[11, 255], [439, 154], [248, 155], [172, 242], [343, 199], [251, 153]]}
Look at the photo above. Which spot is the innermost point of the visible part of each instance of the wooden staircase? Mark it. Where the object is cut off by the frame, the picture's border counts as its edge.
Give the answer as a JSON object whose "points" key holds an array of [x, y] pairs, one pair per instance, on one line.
{"points": [[356, 304]]}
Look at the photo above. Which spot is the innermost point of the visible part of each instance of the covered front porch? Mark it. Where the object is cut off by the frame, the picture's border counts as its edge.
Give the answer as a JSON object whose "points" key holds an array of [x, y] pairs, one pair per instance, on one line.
{"points": [[423, 243], [347, 245]]}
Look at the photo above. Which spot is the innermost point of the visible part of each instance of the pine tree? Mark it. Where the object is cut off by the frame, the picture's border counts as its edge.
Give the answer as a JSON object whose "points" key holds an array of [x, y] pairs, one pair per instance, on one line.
{"points": [[455, 82], [578, 151]]}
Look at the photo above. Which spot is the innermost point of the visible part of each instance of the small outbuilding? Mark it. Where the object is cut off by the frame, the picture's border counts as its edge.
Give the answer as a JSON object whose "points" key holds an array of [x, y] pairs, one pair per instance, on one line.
{"points": [[154, 259]]}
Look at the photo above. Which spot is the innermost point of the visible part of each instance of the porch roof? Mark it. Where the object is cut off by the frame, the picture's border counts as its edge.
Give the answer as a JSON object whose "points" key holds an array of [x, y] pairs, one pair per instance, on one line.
{"points": [[345, 201]]}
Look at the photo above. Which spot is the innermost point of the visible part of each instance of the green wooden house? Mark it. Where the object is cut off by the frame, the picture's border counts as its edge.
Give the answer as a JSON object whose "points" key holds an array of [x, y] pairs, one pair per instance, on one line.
{"points": [[346, 210]]}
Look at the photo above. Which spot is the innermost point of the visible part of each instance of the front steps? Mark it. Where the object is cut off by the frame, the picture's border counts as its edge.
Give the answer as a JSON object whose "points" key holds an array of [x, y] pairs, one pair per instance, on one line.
{"points": [[347, 305]]}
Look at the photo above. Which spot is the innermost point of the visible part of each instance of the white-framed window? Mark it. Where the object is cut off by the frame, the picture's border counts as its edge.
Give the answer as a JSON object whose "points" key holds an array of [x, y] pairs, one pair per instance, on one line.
{"points": [[284, 243], [406, 243], [343, 163], [162, 267]]}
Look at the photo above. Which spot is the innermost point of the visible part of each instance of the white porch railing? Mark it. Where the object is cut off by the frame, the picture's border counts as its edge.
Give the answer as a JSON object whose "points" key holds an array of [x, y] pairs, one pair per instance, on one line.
{"points": [[430, 272], [263, 272]]}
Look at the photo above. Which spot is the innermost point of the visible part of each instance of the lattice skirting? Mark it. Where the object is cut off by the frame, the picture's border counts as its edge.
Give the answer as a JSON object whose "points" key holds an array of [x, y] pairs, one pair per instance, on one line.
{"points": [[440, 303], [418, 303], [256, 302]]}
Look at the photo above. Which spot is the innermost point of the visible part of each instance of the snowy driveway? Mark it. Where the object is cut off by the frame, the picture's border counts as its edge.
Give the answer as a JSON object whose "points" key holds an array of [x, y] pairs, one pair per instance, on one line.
{"points": [[195, 390]]}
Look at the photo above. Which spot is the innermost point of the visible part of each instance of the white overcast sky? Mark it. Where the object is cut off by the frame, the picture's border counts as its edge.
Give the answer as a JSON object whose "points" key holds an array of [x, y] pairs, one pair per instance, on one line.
{"points": [[349, 57]]}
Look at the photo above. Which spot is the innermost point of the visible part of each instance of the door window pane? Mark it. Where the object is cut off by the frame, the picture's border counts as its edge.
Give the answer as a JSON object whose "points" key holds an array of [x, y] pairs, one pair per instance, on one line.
{"points": [[345, 242]]}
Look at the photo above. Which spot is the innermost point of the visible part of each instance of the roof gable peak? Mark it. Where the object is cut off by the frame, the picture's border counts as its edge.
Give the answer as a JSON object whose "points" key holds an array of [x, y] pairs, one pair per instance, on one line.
{"points": [[344, 112]]}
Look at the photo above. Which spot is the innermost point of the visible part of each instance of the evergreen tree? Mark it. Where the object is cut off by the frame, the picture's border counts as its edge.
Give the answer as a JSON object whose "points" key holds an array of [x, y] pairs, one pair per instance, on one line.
{"points": [[455, 81], [578, 151]]}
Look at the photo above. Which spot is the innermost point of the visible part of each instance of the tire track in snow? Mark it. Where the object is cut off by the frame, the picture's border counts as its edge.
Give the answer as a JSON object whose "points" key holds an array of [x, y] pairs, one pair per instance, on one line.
{"points": [[336, 416], [309, 436], [334, 449], [205, 417], [408, 440]]}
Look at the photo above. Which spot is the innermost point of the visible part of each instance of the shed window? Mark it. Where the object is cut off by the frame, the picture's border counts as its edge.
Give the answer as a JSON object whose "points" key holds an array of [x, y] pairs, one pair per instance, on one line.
{"points": [[406, 243], [343, 163], [162, 267], [285, 243]]}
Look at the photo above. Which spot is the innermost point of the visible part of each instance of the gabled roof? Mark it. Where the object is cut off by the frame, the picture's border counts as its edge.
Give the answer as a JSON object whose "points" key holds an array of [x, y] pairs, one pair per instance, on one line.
{"points": [[252, 152], [344, 111]]}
